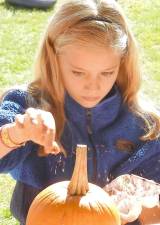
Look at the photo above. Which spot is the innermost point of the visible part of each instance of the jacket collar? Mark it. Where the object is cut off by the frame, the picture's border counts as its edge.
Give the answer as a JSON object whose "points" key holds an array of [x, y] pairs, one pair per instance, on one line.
{"points": [[102, 114]]}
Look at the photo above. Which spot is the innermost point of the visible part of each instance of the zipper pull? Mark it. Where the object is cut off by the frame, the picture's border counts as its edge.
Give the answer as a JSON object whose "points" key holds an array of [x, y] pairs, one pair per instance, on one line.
{"points": [[89, 121]]}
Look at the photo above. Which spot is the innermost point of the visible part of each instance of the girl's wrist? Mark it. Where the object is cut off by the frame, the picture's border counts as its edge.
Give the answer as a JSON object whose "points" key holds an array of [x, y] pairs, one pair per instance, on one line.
{"points": [[12, 136]]}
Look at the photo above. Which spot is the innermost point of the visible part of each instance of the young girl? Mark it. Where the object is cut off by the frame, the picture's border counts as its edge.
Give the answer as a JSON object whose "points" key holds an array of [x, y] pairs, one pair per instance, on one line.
{"points": [[85, 92]]}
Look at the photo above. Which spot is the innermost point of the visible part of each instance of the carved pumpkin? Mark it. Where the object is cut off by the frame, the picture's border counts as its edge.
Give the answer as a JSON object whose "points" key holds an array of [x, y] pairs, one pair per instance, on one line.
{"points": [[75, 202]]}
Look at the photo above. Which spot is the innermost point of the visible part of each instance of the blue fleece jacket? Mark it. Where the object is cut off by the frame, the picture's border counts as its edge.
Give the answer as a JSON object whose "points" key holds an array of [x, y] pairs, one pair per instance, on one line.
{"points": [[99, 128]]}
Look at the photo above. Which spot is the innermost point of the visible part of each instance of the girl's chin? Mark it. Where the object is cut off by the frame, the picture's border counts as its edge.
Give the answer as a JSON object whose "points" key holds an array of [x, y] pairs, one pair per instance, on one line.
{"points": [[87, 104]]}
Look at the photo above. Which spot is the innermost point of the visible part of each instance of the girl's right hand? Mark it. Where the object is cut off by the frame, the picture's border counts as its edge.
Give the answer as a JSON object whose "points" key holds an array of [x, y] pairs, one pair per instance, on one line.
{"points": [[38, 126]]}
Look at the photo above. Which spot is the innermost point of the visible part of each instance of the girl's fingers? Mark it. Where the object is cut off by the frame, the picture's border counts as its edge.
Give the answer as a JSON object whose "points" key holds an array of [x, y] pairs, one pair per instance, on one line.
{"points": [[55, 148], [40, 127], [19, 120], [47, 150], [31, 114], [38, 116], [49, 137], [48, 120]]}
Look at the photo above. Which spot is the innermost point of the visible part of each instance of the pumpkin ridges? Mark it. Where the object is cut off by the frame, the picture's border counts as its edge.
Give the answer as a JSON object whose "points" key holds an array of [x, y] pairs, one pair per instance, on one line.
{"points": [[85, 207], [55, 205]]}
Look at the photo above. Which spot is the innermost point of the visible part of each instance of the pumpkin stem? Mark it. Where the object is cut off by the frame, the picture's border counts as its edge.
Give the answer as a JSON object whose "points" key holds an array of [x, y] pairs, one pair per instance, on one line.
{"points": [[79, 181]]}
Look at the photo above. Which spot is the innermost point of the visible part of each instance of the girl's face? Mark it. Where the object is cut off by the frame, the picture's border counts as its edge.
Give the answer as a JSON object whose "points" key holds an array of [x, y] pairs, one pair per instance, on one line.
{"points": [[88, 72]]}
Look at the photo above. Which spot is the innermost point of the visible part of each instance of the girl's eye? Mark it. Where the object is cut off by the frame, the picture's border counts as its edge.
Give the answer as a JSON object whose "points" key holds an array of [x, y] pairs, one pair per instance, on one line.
{"points": [[77, 73], [106, 74]]}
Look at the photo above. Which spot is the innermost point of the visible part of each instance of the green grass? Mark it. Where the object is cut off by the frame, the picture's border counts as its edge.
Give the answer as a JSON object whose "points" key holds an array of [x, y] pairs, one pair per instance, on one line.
{"points": [[145, 22], [6, 188], [20, 32]]}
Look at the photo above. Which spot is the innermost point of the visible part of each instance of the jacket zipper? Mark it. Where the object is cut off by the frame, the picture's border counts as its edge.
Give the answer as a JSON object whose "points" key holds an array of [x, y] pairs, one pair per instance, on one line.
{"points": [[90, 136]]}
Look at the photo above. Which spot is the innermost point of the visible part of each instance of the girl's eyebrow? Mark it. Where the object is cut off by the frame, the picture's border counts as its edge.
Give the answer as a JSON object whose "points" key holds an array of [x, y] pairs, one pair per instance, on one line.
{"points": [[79, 68]]}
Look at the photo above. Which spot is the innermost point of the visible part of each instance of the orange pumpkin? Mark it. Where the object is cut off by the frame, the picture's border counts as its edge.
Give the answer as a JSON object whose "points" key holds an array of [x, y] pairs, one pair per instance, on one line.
{"points": [[75, 202]]}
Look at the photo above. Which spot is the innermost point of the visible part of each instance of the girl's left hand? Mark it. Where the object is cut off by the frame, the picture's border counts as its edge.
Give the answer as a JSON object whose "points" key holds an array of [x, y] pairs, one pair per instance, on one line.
{"points": [[131, 194]]}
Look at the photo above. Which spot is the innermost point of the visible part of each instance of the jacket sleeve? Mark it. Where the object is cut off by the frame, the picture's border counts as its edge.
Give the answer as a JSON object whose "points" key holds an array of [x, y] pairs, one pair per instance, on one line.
{"points": [[144, 162], [14, 102], [150, 168]]}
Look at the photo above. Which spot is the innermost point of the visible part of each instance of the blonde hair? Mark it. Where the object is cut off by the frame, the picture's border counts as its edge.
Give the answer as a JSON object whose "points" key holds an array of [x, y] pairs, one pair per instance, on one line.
{"points": [[82, 21]]}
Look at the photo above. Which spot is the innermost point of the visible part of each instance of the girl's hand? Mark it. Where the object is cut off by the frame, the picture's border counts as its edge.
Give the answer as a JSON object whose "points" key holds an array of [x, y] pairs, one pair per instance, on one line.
{"points": [[38, 126], [132, 194]]}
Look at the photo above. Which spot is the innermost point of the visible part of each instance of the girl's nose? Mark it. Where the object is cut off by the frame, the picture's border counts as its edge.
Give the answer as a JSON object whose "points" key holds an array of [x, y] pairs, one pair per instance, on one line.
{"points": [[92, 84]]}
